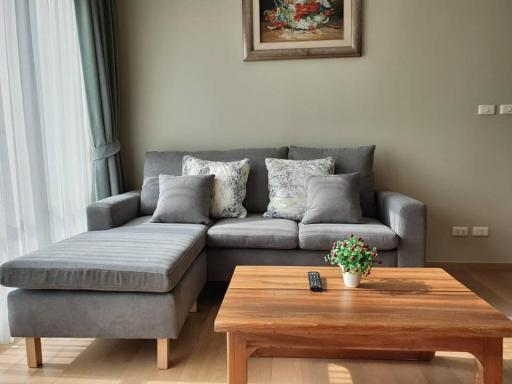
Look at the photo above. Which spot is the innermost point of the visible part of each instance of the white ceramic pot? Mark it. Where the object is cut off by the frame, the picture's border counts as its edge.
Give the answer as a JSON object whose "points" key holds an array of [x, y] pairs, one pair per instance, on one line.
{"points": [[352, 279]]}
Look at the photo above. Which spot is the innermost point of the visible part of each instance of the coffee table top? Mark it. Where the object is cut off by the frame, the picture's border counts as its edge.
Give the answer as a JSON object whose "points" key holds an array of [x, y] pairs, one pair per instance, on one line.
{"points": [[392, 301]]}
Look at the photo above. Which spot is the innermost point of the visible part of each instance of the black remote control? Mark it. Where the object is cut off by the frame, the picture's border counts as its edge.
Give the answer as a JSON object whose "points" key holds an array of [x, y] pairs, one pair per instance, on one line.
{"points": [[315, 283]]}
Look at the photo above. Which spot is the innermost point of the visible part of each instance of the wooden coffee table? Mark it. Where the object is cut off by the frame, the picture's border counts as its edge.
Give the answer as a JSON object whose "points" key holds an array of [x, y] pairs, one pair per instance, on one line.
{"points": [[406, 313]]}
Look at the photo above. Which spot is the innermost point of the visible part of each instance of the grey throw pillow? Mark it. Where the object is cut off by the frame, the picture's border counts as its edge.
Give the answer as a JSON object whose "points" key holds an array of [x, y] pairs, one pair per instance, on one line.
{"points": [[183, 199], [333, 199], [348, 160], [287, 185], [229, 187]]}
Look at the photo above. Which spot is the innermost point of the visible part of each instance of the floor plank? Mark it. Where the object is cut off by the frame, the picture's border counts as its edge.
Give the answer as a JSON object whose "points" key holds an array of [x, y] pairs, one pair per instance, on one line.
{"points": [[199, 356]]}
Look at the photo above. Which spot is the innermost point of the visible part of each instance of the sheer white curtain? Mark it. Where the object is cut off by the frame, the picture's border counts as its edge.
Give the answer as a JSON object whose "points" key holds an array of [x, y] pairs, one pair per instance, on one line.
{"points": [[44, 143]]}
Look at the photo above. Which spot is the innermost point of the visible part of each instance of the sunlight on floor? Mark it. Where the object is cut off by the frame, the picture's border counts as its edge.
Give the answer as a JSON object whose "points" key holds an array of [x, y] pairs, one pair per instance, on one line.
{"points": [[181, 382], [11, 354], [338, 374], [63, 352], [507, 349], [454, 354], [58, 355], [85, 380]]}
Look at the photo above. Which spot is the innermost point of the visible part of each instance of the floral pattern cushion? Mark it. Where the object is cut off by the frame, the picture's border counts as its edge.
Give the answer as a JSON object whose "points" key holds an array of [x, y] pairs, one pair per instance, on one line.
{"points": [[229, 186], [287, 185]]}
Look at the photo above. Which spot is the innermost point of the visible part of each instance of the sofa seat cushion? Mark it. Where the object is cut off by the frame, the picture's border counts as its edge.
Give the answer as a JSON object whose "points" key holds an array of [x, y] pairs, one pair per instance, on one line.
{"points": [[319, 237], [254, 231], [142, 258]]}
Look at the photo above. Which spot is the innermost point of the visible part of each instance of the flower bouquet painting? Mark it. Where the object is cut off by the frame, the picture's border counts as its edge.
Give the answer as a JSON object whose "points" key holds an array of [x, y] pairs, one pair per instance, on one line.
{"points": [[292, 29], [302, 20]]}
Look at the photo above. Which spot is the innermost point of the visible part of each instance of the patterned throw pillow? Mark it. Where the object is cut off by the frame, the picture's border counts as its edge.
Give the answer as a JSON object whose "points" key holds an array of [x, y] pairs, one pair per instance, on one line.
{"points": [[229, 186], [287, 185]]}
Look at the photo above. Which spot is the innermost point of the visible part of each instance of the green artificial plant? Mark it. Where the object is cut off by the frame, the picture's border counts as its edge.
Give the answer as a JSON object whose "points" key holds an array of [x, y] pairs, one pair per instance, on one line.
{"points": [[353, 255]]}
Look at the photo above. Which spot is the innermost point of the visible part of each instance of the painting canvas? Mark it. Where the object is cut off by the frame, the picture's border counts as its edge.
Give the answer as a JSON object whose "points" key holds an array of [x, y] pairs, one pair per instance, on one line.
{"points": [[301, 20], [291, 29]]}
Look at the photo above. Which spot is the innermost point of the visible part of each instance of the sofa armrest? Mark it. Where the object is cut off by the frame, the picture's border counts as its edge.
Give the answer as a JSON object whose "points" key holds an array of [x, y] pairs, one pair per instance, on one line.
{"points": [[113, 211], [407, 218]]}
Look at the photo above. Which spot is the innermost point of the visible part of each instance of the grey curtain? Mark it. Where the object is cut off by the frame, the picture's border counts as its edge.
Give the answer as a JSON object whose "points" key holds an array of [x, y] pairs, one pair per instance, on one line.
{"points": [[96, 23]]}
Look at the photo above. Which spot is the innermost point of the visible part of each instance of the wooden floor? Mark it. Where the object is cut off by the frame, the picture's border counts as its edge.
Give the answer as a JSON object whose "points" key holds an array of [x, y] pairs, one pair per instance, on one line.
{"points": [[199, 356]]}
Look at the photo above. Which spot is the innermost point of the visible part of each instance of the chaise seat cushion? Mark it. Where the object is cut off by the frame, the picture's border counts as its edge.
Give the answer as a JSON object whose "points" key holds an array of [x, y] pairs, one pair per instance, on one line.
{"points": [[254, 231], [319, 237], [142, 258]]}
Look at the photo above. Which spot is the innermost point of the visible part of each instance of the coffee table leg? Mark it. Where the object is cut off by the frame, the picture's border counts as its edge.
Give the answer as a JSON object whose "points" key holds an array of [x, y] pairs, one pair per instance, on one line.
{"points": [[490, 363], [237, 359]]}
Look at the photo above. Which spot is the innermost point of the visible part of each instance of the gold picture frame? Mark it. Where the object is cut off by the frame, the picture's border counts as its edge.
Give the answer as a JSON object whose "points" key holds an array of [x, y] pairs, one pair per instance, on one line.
{"points": [[301, 29]]}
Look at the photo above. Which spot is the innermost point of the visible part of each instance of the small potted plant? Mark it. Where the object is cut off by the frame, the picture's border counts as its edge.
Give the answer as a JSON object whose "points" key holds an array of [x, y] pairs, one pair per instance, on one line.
{"points": [[355, 259]]}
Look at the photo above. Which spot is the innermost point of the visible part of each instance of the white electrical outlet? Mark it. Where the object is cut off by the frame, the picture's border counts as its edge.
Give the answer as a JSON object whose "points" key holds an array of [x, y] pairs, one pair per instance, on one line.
{"points": [[506, 109], [480, 231], [460, 231], [489, 109]]}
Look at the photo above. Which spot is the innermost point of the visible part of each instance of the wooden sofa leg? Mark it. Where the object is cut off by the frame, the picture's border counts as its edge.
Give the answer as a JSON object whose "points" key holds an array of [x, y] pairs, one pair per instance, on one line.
{"points": [[163, 353], [194, 307], [34, 354]]}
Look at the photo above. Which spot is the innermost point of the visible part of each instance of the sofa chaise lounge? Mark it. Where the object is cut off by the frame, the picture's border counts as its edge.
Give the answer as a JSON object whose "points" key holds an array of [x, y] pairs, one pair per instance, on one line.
{"points": [[128, 278]]}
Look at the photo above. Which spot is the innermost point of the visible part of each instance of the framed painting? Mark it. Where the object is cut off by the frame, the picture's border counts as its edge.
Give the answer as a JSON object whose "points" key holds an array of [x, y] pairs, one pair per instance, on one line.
{"points": [[297, 29]]}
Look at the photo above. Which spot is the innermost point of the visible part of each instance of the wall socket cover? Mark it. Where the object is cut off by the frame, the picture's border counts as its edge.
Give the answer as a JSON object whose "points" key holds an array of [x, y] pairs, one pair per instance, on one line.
{"points": [[480, 231], [487, 109], [460, 231], [506, 109]]}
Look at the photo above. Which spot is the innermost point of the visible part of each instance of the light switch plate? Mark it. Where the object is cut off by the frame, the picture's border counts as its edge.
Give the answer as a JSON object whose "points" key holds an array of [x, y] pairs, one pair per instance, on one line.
{"points": [[480, 231], [487, 109], [460, 231], [506, 109]]}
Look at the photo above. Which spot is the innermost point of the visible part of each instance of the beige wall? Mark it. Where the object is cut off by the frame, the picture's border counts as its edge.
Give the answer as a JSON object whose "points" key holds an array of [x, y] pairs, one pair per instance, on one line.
{"points": [[414, 93]]}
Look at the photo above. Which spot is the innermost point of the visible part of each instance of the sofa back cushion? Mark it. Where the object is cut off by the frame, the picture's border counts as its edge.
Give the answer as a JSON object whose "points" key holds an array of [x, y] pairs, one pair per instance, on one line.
{"points": [[256, 199], [149, 195], [347, 160]]}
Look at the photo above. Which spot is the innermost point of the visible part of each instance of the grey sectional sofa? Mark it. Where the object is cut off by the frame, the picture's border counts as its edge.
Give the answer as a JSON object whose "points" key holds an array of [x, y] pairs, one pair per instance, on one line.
{"points": [[127, 278]]}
